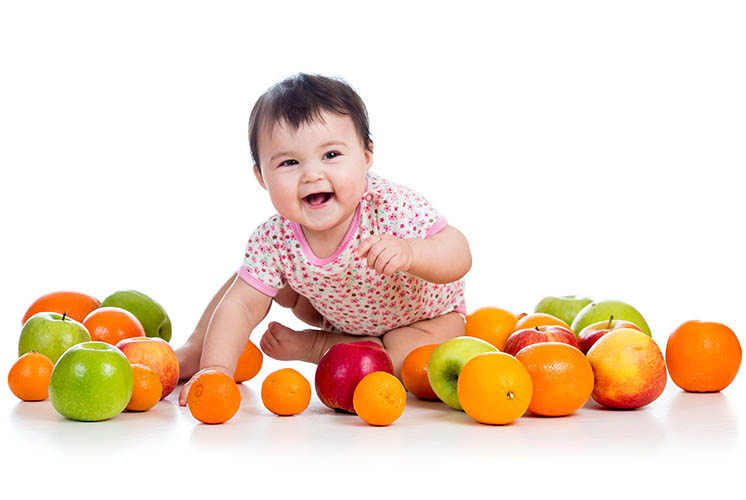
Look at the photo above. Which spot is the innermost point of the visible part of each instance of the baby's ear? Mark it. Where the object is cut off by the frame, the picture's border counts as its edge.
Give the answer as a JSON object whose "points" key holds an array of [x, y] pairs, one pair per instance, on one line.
{"points": [[258, 175], [368, 154]]}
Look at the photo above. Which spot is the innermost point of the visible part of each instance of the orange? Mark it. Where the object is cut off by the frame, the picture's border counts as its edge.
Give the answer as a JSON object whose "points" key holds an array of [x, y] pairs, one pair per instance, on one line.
{"points": [[213, 397], [703, 356], [379, 398], [29, 376], [249, 363], [561, 375], [112, 324], [76, 305], [491, 324], [147, 389], [494, 388], [539, 319], [286, 392], [414, 372]]}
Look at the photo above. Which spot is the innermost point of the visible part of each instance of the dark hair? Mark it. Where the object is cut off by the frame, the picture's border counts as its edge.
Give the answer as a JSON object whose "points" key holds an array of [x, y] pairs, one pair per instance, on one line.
{"points": [[300, 99]]}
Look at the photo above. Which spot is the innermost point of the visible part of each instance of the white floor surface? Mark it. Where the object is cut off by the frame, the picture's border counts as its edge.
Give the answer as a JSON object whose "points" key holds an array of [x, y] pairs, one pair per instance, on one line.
{"points": [[678, 433]]}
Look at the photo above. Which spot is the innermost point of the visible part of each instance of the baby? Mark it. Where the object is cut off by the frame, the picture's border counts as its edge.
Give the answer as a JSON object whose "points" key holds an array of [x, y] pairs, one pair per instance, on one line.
{"points": [[354, 255]]}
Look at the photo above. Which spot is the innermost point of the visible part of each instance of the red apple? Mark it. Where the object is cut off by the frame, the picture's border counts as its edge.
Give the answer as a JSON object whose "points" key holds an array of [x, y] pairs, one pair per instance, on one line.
{"points": [[628, 369], [527, 336], [591, 333], [343, 366], [156, 354]]}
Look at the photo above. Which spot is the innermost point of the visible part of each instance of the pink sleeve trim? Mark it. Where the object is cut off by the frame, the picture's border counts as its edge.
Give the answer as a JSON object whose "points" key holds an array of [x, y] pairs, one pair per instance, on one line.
{"points": [[254, 282], [437, 227]]}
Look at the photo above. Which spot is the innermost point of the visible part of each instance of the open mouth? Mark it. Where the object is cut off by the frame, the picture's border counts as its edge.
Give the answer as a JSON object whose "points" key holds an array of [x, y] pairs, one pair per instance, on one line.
{"points": [[318, 199]]}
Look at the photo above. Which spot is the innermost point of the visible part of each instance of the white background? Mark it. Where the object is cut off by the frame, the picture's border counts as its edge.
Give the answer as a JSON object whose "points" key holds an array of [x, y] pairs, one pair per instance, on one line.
{"points": [[582, 147]]}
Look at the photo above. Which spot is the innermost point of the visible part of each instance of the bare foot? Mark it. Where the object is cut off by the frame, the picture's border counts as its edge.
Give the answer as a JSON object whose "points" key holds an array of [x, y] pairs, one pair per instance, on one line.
{"points": [[284, 344]]}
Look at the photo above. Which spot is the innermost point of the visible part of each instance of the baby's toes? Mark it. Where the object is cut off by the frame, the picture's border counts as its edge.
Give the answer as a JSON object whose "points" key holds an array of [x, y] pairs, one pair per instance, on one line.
{"points": [[272, 340], [280, 342], [267, 342]]}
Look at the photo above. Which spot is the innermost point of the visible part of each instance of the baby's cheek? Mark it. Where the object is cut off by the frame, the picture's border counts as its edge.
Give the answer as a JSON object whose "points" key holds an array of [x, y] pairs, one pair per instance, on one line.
{"points": [[285, 204], [351, 188]]}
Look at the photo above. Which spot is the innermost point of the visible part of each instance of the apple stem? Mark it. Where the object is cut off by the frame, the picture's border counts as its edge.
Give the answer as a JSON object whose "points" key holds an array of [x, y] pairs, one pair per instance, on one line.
{"points": [[537, 328], [611, 318], [64, 314]]}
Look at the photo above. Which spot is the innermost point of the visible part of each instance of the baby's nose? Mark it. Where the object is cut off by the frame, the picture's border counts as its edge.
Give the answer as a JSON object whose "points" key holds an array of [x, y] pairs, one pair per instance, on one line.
{"points": [[313, 172]]}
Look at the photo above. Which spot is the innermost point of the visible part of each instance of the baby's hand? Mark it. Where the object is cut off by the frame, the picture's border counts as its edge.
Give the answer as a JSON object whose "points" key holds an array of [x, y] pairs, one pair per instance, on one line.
{"points": [[386, 254], [184, 393]]}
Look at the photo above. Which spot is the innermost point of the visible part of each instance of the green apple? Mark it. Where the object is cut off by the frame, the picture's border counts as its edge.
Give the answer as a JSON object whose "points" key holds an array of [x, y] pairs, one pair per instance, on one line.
{"points": [[565, 307], [151, 314], [600, 311], [92, 381], [51, 334], [446, 363]]}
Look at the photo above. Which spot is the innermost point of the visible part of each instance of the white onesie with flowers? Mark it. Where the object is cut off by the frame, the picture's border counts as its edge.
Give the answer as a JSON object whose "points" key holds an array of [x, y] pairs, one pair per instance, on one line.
{"points": [[351, 297]]}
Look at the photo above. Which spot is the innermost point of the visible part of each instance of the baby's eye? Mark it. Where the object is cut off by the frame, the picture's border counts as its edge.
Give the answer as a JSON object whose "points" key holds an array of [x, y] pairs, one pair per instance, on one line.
{"points": [[331, 154], [288, 163]]}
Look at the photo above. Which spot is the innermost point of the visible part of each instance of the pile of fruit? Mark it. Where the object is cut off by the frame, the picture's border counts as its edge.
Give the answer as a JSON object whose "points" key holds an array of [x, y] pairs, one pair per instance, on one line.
{"points": [[96, 359], [552, 361]]}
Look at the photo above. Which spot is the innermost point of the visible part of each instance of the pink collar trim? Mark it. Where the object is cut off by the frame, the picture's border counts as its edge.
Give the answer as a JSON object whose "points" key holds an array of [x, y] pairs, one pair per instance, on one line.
{"points": [[298, 232], [354, 225]]}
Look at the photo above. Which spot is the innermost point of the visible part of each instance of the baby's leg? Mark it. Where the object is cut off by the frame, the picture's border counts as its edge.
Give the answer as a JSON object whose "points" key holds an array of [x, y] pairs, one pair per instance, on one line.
{"points": [[301, 307], [285, 344], [188, 355], [401, 341]]}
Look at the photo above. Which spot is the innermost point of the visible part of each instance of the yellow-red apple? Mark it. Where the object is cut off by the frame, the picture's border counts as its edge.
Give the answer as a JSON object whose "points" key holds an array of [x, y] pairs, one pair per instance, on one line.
{"points": [[628, 369], [156, 354]]}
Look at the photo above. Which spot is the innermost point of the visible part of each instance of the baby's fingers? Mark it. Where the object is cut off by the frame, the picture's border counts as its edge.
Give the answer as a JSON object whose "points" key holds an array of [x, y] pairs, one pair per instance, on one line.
{"points": [[383, 257], [396, 263], [184, 393], [376, 253], [366, 245]]}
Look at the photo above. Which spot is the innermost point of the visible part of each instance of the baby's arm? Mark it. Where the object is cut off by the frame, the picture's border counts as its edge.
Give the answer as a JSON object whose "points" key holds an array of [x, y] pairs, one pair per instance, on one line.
{"points": [[190, 352], [241, 309], [442, 258]]}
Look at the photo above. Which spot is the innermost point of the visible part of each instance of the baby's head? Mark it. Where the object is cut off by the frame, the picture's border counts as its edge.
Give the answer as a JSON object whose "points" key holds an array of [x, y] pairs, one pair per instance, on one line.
{"points": [[311, 147], [300, 100]]}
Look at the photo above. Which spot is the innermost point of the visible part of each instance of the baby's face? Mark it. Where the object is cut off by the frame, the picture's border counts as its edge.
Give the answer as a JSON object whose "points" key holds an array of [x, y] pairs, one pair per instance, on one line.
{"points": [[315, 175]]}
